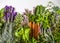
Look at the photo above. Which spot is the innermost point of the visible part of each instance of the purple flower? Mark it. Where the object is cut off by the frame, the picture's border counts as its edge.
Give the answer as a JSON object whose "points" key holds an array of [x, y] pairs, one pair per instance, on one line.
{"points": [[6, 7], [14, 14], [9, 13], [12, 9]]}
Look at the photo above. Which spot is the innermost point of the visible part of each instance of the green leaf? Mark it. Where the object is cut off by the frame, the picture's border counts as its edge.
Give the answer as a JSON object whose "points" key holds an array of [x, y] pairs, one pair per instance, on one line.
{"points": [[27, 31], [16, 34], [1, 12]]}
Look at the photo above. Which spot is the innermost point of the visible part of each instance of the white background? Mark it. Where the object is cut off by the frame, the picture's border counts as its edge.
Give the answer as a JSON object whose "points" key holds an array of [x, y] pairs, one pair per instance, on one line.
{"points": [[20, 5]]}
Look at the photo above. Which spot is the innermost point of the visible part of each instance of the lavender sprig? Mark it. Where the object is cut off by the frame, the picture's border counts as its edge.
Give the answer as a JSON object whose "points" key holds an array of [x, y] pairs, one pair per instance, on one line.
{"points": [[9, 13]]}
